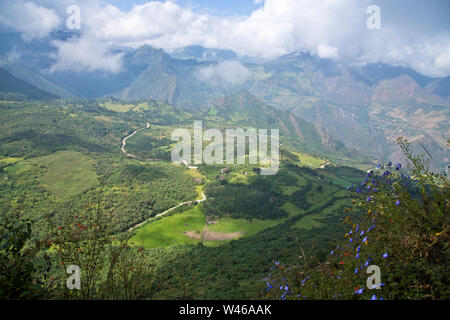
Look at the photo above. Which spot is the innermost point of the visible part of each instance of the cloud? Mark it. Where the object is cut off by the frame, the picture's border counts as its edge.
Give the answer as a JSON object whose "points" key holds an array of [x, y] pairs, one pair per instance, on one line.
{"points": [[327, 52], [33, 21], [326, 28], [84, 54], [229, 71]]}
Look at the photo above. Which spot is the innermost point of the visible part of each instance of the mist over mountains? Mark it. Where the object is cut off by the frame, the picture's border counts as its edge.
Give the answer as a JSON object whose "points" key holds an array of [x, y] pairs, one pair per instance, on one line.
{"points": [[366, 107]]}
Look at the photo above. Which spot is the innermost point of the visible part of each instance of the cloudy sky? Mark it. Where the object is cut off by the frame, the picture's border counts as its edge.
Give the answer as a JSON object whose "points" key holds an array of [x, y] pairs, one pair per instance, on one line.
{"points": [[411, 33]]}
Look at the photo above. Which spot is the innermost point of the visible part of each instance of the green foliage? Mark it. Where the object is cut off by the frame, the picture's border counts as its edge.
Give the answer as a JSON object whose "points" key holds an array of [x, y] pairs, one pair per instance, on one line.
{"points": [[404, 231], [110, 268], [18, 278], [242, 201]]}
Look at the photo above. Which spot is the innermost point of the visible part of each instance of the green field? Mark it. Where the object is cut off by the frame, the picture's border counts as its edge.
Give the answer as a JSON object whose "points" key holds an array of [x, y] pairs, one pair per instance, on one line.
{"points": [[68, 173], [170, 230], [232, 225]]}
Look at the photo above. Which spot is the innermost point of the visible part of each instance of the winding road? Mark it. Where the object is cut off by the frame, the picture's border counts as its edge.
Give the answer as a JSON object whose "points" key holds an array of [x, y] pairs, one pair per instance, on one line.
{"points": [[124, 142]]}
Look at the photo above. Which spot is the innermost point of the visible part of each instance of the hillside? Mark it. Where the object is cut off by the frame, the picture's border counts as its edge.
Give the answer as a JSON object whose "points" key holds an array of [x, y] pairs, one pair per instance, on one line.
{"points": [[12, 88]]}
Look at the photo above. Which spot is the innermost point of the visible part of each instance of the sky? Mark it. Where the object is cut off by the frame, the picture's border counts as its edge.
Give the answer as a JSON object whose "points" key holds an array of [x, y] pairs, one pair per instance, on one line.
{"points": [[414, 34]]}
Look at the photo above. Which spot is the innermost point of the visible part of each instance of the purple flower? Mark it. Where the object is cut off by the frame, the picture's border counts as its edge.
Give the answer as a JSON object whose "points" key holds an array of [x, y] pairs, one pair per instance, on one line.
{"points": [[385, 255], [397, 202]]}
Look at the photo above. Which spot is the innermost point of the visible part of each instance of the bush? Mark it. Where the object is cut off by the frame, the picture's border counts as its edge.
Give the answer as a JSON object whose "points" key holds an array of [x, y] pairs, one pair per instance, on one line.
{"points": [[404, 232]]}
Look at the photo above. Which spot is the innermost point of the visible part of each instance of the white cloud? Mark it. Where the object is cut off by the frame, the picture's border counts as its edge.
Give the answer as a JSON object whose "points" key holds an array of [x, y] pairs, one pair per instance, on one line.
{"points": [[229, 71], [326, 28], [327, 52], [32, 20], [84, 54]]}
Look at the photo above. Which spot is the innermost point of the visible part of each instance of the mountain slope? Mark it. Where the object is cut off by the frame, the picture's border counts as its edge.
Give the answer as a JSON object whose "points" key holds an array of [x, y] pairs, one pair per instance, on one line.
{"points": [[17, 89], [245, 110]]}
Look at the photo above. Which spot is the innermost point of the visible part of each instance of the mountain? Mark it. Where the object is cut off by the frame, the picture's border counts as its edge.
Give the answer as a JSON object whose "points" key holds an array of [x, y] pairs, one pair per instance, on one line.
{"points": [[243, 109], [363, 107], [17, 89], [203, 54], [38, 80]]}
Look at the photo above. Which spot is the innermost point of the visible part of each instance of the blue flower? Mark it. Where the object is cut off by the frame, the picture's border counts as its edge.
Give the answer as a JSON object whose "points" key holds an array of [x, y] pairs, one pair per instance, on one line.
{"points": [[397, 202], [374, 297], [360, 291], [356, 270], [367, 263], [368, 199], [385, 255], [331, 252], [379, 166], [362, 233], [365, 239], [357, 255]]}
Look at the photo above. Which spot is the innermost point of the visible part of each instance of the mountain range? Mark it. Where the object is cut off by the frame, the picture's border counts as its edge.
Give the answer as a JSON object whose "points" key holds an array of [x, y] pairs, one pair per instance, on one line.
{"points": [[364, 107]]}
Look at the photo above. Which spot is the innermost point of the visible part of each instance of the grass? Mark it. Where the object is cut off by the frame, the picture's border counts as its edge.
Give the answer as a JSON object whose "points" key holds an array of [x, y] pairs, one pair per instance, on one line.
{"points": [[309, 222], [291, 209], [10, 160], [170, 230], [308, 160], [119, 107], [68, 173], [228, 225]]}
